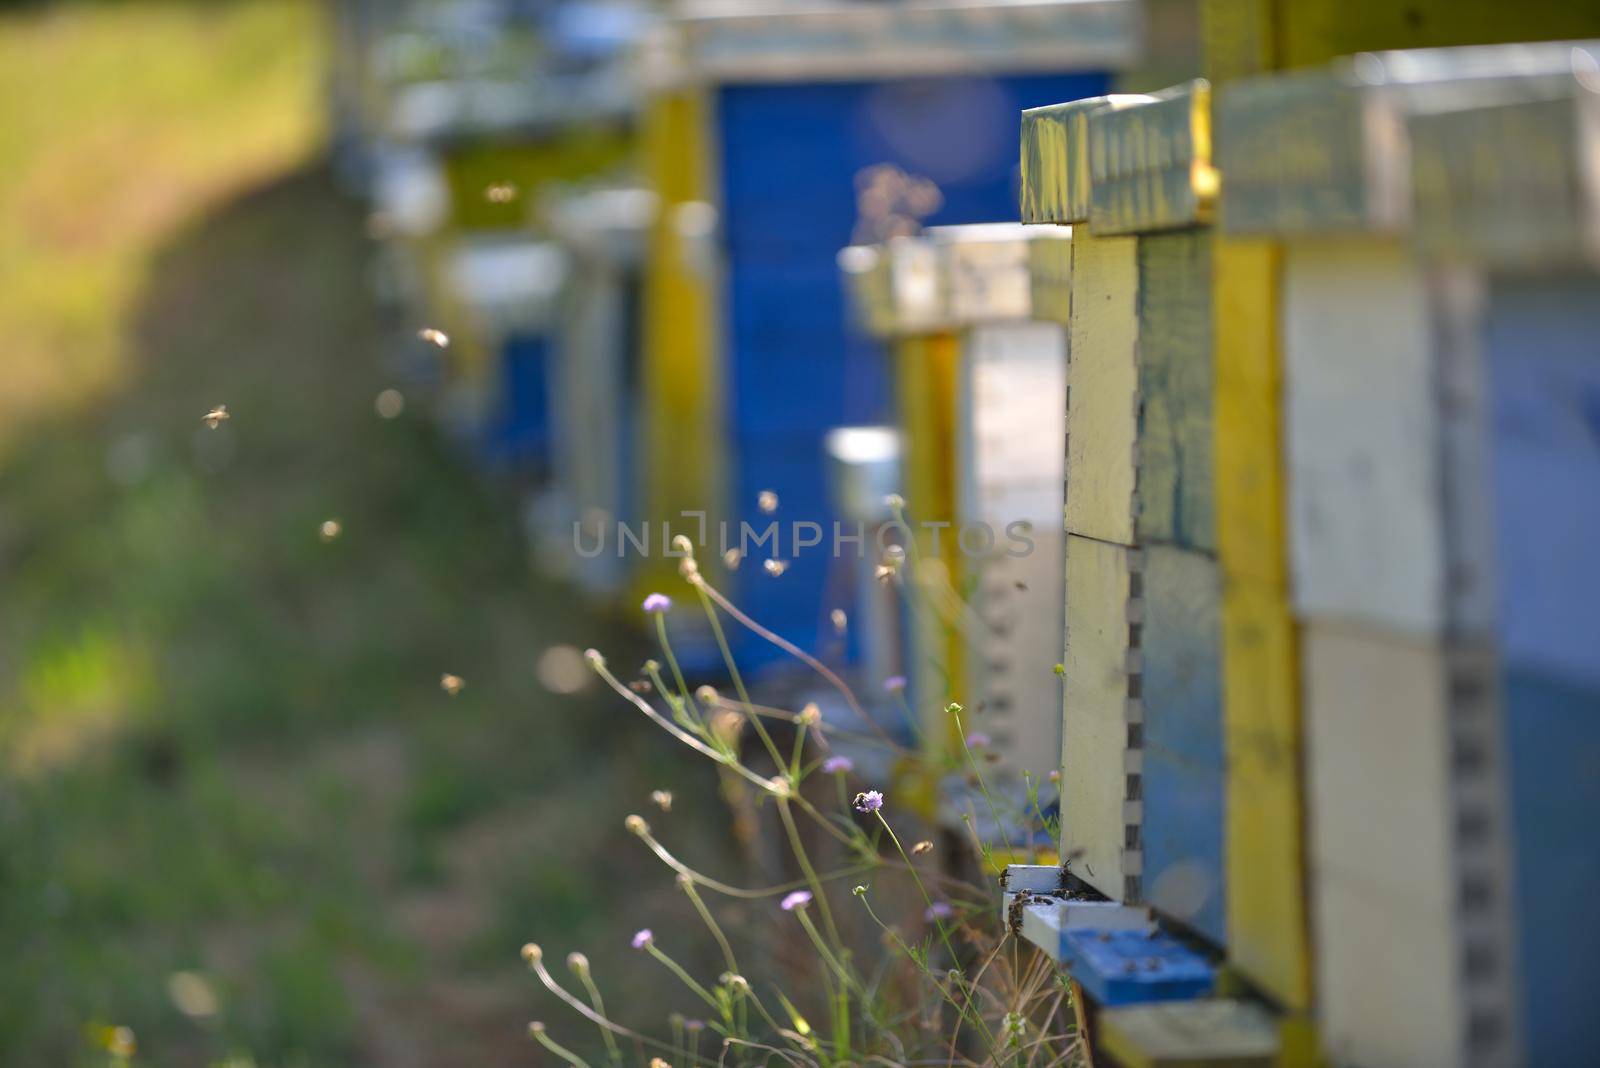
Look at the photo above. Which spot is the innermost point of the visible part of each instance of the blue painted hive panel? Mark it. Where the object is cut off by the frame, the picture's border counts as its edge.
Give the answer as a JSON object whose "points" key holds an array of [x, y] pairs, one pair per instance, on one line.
{"points": [[790, 156], [520, 432], [1553, 734], [1184, 772], [1544, 376], [1131, 967]]}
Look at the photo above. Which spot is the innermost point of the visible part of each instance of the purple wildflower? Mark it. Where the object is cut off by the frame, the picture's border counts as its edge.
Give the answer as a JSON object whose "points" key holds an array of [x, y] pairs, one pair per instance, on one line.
{"points": [[838, 765], [979, 740], [869, 801], [657, 602], [939, 910], [643, 939], [799, 899], [894, 684]]}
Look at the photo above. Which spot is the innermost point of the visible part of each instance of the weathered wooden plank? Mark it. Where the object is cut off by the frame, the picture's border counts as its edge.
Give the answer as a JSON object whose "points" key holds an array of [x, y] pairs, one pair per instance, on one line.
{"points": [[1504, 184], [1184, 773], [1055, 158], [1365, 526], [1175, 480], [1211, 1033], [1150, 162], [1012, 471], [1099, 767], [1103, 384], [1381, 830]]}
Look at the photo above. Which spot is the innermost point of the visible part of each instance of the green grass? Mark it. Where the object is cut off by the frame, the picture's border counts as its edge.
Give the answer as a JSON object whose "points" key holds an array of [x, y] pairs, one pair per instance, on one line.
{"points": [[223, 746]]}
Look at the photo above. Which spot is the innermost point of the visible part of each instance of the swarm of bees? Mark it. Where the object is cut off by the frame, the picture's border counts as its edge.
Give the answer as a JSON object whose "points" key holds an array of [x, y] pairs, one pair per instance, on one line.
{"points": [[216, 416]]}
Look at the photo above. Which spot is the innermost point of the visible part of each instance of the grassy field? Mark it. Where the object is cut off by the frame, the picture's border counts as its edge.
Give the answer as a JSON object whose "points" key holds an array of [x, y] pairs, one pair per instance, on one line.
{"points": [[237, 814]]}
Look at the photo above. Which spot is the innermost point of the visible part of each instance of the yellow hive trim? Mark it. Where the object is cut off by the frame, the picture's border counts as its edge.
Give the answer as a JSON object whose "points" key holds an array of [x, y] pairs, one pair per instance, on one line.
{"points": [[1267, 921]]}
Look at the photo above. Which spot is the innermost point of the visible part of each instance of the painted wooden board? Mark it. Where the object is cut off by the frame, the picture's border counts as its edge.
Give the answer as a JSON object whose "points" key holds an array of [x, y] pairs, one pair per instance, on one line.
{"points": [[926, 376], [1184, 775], [1554, 751], [1382, 874], [1313, 31], [1176, 499], [1103, 384], [682, 463], [1012, 471], [1268, 928], [1100, 769], [1123, 967], [1365, 526], [1544, 388], [1248, 426], [1211, 1033]]}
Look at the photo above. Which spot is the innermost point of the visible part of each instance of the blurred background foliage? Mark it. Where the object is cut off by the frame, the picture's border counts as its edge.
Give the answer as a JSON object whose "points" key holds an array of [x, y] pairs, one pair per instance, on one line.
{"points": [[238, 816]]}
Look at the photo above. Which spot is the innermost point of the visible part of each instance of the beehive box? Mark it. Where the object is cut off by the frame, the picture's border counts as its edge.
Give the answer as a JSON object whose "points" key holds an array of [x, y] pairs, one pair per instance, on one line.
{"points": [[791, 107]]}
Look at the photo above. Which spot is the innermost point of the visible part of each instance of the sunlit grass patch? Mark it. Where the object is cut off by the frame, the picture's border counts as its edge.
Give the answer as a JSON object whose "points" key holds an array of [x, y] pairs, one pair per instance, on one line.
{"points": [[117, 122]]}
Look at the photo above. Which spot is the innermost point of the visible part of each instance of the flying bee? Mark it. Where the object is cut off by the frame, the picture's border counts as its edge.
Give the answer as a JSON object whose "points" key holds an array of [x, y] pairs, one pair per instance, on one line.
{"points": [[840, 621], [216, 416], [732, 558], [331, 529], [767, 501], [662, 799], [451, 684], [921, 848], [500, 192], [775, 567], [434, 337]]}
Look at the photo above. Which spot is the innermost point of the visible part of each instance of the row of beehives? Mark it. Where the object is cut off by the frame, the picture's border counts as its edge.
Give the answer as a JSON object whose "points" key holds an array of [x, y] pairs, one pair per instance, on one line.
{"points": [[1332, 488], [1330, 685]]}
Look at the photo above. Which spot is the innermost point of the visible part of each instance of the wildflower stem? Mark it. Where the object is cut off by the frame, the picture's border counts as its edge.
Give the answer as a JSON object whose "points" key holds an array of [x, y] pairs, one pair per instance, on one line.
{"points": [[558, 1049], [964, 1008], [686, 881], [725, 890], [800, 854], [600, 1008], [672, 662], [687, 979], [676, 731], [983, 787], [707, 590], [733, 674], [938, 924]]}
